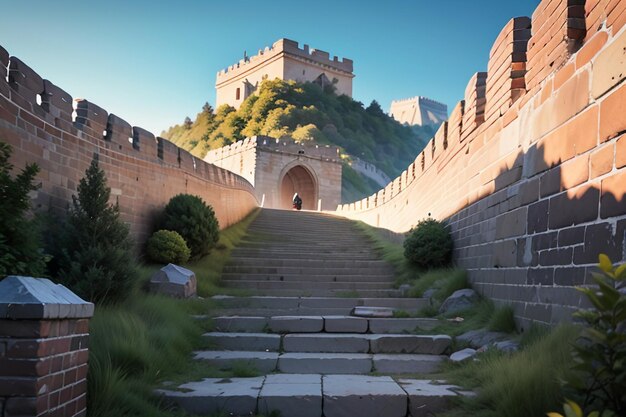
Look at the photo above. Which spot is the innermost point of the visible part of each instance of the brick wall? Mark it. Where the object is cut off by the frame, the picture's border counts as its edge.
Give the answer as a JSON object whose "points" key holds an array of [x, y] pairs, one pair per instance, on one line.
{"points": [[530, 168], [44, 335], [44, 125]]}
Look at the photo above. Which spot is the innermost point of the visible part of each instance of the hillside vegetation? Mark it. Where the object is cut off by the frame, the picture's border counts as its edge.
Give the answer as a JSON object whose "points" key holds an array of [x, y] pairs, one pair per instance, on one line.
{"points": [[306, 112]]}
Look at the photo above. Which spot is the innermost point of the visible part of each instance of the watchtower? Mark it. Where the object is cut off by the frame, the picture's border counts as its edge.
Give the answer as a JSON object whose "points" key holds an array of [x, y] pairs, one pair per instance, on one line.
{"points": [[286, 61]]}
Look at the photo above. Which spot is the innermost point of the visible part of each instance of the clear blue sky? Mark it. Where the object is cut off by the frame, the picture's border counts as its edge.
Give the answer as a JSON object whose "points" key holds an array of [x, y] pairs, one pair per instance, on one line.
{"points": [[154, 62]]}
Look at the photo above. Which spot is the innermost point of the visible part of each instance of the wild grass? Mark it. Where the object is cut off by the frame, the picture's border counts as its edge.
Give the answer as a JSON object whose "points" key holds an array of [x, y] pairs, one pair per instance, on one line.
{"points": [[522, 384], [137, 345]]}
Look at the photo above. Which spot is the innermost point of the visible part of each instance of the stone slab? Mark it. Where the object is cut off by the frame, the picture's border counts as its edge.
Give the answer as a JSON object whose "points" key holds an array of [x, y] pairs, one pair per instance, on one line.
{"points": [[401, 325], [292, 395], [397, 303], [264, 362], [257, 302], [363, 396], [400, 343], [427, 397], [296, 324], [406, 364], [463, 355], [345, 324], [249, 341], [322, 342], [40, 298], [240, 324], [380, 312], [328, 302], [325, 363], [234, 396]]}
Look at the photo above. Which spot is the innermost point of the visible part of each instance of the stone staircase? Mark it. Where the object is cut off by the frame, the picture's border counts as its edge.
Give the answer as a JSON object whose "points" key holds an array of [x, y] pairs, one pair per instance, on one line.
{"points": [[315, 356]]}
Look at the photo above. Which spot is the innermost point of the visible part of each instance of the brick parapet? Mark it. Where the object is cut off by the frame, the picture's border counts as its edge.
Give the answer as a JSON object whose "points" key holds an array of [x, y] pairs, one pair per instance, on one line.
{"points": [[537, 193], [44, 338], [144, 172]]}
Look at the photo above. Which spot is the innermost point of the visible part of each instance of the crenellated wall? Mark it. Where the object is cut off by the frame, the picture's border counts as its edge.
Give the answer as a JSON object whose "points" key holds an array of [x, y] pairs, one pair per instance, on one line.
{"points": [[45, 125], [530, 169], [419, 111]]}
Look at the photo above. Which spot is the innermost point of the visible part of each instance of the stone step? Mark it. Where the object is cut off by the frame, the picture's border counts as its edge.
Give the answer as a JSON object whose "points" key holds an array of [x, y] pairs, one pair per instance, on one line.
{"points": [[365, 343], [306, 278], [280, 292], [261, 342], [323, 363], [313, 395], [326, 324], [379, 270], [280, 261], [407, 304], [311, 284], [320, 255]]}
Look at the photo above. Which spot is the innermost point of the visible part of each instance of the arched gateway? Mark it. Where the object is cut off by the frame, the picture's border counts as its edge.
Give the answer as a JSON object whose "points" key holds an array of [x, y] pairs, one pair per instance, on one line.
{"points": [[279, 168]]}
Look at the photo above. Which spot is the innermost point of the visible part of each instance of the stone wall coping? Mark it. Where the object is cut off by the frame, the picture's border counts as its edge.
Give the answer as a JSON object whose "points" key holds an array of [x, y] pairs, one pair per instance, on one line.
{"points": [[39, 298]]}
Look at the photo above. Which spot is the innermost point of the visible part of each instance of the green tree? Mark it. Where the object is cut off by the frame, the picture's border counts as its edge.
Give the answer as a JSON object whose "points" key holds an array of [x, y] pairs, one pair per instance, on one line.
{"points": [[188, 123], [97, 259], [194, 220], [20, 240]]}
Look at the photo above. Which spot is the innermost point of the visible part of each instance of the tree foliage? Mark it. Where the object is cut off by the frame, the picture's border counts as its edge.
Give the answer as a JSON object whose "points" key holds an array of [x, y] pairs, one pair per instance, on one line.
{"points": [[429, 245], [96, 259], [307, 112], [166, 246], [194, 220], [20, 241]]}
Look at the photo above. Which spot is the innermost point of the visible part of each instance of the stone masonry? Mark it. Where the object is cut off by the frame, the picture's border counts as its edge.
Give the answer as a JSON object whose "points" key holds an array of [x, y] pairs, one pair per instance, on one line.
{"points": [[143, 171], [530, 169]]}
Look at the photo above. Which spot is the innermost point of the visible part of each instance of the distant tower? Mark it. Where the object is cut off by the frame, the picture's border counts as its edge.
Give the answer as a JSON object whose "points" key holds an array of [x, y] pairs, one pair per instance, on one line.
{"points": [[286, 61], [420, 111]]}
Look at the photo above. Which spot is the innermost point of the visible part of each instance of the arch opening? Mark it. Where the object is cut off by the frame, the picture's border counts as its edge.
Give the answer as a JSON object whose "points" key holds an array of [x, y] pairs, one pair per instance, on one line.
{"points": [[298, 180]]}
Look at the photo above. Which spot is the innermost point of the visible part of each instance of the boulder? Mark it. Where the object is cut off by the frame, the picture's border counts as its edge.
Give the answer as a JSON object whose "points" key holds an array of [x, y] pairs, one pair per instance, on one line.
{"points": [[482, 337], [463, 355], [175, 281], [459, 300]]}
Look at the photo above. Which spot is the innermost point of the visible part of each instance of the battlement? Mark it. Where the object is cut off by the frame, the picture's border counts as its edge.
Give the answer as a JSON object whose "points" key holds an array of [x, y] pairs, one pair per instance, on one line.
{"points": [[267, 143], [420, 99], [45, 125], [289, 47]]}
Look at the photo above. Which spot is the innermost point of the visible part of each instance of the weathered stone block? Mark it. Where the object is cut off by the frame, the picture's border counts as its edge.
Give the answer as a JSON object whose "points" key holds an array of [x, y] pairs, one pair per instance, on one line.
{"points": [[571, 208], [427, 397], [459, 300], [406, 363], [175, 281], [363, 396], [609, 67], [261, 342], [434, 345], [345, 324], [325, 363], [296, 324], [296, 395], [326, 343]]}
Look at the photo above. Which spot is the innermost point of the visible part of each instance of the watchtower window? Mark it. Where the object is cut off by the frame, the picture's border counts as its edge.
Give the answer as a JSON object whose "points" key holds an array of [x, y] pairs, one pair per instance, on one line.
{"points": [[238, 93]]}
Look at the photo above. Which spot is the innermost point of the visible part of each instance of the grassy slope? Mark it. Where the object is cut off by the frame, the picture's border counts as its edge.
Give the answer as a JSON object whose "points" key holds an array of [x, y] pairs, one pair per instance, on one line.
{"points": [[148, 339]]}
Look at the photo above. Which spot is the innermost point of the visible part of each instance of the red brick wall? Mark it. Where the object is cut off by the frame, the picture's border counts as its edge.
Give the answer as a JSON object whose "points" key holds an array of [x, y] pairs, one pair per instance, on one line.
{"points": [[536, 187], [43, 367], [143, 172]]}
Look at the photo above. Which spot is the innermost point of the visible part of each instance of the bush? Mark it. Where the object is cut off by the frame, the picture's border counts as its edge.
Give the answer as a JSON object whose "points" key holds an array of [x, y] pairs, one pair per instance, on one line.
{"points": [[194, 221], [166, 246], [600, 351], [429, 245], [96, 258], [20, 240]]}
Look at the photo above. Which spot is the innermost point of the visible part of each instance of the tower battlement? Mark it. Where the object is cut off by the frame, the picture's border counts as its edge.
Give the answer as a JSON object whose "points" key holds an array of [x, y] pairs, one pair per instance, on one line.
{"points": [[418, 110], [284, 60]]}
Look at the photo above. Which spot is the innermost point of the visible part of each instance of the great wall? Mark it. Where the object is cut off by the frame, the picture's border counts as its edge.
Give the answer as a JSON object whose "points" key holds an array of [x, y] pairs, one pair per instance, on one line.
{"points": [[529, 168]]}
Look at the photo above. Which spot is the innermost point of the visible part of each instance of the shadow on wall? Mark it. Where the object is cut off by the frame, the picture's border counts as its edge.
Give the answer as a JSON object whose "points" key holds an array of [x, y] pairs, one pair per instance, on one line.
{"points": [[540, 232]]}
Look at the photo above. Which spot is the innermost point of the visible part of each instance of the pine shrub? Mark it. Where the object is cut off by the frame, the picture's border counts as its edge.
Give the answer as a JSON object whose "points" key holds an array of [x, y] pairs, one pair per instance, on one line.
{"points": [[166, 246], [20, 240], [194, 220], [96, 259], [429, 245]]}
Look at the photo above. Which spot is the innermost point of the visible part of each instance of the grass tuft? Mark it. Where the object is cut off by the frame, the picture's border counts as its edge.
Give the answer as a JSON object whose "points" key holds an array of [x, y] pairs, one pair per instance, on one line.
{"points": [[522, 384]]}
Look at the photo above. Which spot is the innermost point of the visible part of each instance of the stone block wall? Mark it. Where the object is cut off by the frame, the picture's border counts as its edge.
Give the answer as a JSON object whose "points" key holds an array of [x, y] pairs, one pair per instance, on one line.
{"points": [[144, 172], [536, 188], [44, 335]]}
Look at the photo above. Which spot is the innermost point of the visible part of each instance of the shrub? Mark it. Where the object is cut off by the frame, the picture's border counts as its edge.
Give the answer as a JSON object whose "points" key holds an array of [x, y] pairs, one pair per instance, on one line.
{"points": [[96, 258], [20, 240], [194, 221], [429, 245], [166, 246], [600, 351]]}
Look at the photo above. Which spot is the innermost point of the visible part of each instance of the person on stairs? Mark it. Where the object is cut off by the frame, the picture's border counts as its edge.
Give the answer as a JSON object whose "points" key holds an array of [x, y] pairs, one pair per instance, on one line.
{"points": [[297, 202]]}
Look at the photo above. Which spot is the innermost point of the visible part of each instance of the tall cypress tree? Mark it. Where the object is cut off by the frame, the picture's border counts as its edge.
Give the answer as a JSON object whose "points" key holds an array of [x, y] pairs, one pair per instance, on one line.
{"points": [[97, 259]]}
